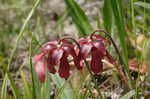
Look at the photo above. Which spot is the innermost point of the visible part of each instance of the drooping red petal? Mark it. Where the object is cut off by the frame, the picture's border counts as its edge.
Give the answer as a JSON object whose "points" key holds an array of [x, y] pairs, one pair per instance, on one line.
{"points": [[96, 61], [40, 68], [56, 55], [51, 63], [64, 67], [69, 50], [83, 40], [48, 47], [85, 50], [111, 60], [53, 59], [100, 46], [38, 57], [79, 61]]}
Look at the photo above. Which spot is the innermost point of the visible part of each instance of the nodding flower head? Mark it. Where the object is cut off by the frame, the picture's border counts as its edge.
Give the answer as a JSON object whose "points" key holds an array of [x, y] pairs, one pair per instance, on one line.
{"points": [[94, 45], [57, 52]]}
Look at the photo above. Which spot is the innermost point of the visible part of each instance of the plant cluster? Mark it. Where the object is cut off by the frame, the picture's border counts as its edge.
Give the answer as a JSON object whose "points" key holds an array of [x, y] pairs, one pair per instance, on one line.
{"points": [[57, 52]]}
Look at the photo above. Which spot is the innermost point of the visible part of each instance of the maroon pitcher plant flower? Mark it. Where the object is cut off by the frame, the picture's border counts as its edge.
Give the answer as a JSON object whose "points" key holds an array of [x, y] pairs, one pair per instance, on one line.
{"points": [[96, 46], [55, 53]]}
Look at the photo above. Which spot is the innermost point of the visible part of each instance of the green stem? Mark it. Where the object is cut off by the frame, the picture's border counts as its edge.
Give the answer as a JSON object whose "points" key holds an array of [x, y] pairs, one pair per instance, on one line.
{"points": [[31, 66]]}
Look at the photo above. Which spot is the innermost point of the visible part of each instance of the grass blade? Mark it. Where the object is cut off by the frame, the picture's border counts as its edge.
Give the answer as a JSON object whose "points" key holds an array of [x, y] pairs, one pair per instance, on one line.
{"points": [[108, 15], [4, 88], [36, 87], [45, 90], [27, 91], [128, 95], [143, 4], [22, 31], [15, 89], [120, 26], [119, 21], [78, 17]]}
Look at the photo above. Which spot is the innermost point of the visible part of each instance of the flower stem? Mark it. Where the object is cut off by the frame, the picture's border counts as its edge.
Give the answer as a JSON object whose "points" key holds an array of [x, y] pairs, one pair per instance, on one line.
{"points": [[72, 40]]}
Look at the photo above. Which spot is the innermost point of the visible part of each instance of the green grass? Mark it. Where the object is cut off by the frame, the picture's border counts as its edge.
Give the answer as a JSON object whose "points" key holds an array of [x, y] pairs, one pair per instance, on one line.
{"points": [[108, 16]]}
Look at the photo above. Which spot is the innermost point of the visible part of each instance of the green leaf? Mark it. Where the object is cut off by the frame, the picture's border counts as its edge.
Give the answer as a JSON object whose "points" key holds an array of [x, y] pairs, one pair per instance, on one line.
{"points": [[108, 15], [27, 91], [15, 89], [36, 87], [78, 16], [120, 24], [64, 92], [142, 4], [4, 88], [128, 95], [45, 90], [119, 20], [20, 35]]}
